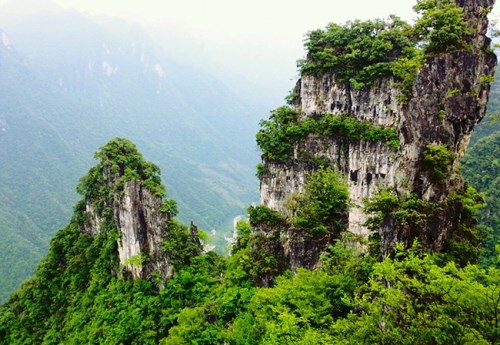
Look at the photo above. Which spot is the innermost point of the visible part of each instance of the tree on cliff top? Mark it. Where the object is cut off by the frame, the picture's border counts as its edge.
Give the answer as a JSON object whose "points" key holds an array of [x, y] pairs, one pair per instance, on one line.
{"points": [[360, 52]]}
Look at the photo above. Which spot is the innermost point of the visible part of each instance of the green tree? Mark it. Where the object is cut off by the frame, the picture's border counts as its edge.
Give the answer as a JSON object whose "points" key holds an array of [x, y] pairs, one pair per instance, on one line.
{"points": [[323, 206], [437, 160], [411, 300], [358, 52], [441, 26]]}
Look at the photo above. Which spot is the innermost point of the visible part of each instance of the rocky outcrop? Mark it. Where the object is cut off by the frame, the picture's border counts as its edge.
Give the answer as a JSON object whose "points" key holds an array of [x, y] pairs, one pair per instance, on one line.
{"points": [[123, 195], [142, 226], [368, 166], [449, 98]]}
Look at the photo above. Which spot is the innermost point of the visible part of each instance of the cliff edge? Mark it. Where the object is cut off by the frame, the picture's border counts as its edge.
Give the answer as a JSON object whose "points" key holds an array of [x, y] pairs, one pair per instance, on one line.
{"points": [[395, 127]]}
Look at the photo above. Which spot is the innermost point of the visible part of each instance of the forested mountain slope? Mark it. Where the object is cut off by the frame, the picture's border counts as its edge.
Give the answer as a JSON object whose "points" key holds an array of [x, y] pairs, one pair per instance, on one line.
{"points": [[86, 292], [126, 271], [481, 168], [66, 91], [42, 152]]}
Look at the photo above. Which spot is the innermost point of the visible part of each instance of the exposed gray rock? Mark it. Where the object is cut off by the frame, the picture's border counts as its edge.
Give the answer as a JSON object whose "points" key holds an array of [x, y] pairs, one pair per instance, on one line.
{"points": [[142, 226], [449, 99], [135, 211], [136, 214], [321, 95]]}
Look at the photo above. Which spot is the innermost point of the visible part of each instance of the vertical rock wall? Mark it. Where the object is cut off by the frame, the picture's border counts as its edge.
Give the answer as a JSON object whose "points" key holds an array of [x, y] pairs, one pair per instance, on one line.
{"points": [[134, 211], [142, 227], [449, 98]]}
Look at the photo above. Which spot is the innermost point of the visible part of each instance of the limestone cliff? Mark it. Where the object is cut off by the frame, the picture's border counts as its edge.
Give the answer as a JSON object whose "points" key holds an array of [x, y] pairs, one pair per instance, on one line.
{"points": [[123, 194], [448, 99]]}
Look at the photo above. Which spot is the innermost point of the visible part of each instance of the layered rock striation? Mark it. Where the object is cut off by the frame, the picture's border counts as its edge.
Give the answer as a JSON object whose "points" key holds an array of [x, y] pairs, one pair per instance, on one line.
{"points": [[448, 98]]}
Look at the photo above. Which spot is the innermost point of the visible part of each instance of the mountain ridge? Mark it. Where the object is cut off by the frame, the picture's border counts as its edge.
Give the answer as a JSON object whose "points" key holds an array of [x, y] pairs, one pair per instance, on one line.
{"points": [[125, 271], [200, 137]]}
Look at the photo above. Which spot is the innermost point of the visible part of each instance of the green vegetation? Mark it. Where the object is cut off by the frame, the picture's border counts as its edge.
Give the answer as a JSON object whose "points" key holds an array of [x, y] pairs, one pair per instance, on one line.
{"points": [[409, 212], [406, 216], [318, 215], [405, 70], [437, 160], [452, 92], [291, 98], [51, 132], [261, 170], [278, 134], [74, 298], [481, 167], [412, 217], [360, 52], [262, 215], [136, 260], [300, 309], [411, 300], [122, 159], [79, 296], [81, 275], [441, 26], [180, 245], [466, 242], [169, 206], [487, 79], [283, 130], [243, 233], [322, 208]]}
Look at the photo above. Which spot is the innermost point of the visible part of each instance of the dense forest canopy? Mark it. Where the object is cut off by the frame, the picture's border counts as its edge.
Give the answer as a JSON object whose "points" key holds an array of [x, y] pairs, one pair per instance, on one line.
{"points": [[77, 297]]}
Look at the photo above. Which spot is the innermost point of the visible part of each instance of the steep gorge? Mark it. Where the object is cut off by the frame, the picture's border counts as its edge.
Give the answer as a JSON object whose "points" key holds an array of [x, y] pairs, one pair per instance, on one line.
{"points": [[348, 162]]}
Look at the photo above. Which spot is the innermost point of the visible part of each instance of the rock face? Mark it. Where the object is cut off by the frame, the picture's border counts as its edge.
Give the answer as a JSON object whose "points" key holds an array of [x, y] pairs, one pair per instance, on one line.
{"points": [[450, 94], [124, 200], [142, 227], [136, 214]]}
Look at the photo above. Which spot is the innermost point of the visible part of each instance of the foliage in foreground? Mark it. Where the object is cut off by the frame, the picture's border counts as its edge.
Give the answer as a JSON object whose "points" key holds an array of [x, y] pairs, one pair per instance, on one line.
{"points": [[411, 300], [79, 294], [350, 299]]}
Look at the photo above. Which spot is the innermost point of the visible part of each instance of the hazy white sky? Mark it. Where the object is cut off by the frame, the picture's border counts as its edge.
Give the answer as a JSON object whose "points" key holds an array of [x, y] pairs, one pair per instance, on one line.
{"points": [[223, 13], [258, 40]]}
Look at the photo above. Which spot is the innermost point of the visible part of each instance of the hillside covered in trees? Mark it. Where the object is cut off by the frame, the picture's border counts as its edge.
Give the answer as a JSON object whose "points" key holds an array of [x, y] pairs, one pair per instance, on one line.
{"points": [[125, 270], [81, 294], [67, 92]]}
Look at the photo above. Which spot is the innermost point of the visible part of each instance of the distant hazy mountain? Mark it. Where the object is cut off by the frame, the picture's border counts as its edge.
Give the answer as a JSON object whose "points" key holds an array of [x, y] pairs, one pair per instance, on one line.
{"points": [[68, 83]]}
